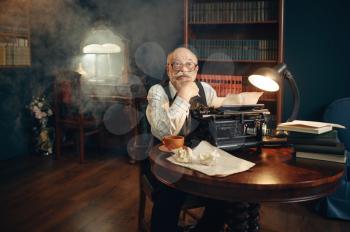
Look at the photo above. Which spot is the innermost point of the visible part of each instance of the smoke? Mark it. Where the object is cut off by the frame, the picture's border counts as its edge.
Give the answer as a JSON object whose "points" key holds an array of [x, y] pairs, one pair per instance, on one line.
{"points": [[52, 16], [143, 21], [151, 59], [59, 27]]}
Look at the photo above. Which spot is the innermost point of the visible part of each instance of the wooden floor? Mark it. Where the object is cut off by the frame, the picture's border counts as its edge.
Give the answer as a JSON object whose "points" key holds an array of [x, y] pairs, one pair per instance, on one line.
{"points": [[41, 194]]}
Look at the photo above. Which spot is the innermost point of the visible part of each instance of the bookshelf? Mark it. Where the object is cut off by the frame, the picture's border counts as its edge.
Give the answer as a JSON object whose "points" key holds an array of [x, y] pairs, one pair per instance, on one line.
{"points": [[231, 39], [15, 34]]}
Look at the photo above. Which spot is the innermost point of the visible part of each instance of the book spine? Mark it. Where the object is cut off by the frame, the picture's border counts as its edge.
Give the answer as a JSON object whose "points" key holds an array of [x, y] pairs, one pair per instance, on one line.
{"points": [[314, 141], [337, 150], [318, 156], [331, 134]]}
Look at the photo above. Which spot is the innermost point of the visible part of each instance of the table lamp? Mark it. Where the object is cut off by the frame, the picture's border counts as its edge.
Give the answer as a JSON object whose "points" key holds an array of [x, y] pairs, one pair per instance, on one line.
{"points": [[269, 79]]}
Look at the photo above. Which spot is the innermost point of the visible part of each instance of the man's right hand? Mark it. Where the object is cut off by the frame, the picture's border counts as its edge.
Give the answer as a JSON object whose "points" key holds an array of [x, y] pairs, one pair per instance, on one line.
{"points": [[188, 90]]}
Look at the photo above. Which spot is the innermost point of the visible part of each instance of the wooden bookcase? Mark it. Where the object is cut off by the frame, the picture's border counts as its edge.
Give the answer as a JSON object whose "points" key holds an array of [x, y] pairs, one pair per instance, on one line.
{"points": [[232, 38], [15, 33]]}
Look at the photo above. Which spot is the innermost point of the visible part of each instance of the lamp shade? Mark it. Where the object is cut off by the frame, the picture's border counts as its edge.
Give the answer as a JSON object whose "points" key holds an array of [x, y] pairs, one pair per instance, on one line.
{"points": [[267, 79]]}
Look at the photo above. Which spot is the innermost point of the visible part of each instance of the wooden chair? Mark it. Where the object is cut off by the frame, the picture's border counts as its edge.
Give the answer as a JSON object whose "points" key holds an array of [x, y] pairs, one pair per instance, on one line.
{"points": [[146, 190], [146, 193], [70, 115]]}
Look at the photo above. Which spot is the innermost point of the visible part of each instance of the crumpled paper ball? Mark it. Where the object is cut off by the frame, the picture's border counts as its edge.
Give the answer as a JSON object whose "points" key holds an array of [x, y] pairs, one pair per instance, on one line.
{"points": [[186, 155]]}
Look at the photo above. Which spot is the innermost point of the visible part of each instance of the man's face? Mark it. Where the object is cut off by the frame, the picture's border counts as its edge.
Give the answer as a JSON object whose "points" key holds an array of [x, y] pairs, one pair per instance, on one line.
{"points": [[182, 67]]}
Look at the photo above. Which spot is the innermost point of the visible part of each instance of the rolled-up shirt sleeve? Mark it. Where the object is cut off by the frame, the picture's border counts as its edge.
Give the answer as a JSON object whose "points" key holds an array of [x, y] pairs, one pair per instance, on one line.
{"points": [[165, 120], [210, 94]]}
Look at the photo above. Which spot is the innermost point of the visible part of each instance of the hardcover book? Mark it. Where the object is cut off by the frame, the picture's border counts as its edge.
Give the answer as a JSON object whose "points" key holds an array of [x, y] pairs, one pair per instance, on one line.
{"points": [[313, 141], [333, 134], [336, 150], [326, 139], [308, 126], [322, 156]]}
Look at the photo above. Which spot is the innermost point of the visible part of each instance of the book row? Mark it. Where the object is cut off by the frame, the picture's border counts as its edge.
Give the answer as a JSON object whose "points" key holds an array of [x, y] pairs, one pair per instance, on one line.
{"points": [[12, 55], [14, 42], [232, 11], [223, 84], [226, 50]]}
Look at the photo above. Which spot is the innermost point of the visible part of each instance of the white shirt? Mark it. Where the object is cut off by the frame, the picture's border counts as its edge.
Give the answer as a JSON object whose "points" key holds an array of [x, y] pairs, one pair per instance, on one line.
{"points": [[165, 120]]}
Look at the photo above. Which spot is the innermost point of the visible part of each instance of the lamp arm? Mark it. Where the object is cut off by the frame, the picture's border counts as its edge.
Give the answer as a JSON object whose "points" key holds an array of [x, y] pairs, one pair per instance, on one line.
{"points": [[296, 96]]}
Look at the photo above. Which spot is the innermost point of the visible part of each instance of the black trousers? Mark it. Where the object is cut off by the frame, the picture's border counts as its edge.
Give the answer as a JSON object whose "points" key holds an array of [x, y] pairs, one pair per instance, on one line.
{"points": [[167, 205]]}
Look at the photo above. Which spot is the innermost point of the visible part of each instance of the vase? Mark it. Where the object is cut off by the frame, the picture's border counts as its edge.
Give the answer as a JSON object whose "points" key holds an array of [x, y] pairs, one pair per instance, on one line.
{"points": [[45, 138]]}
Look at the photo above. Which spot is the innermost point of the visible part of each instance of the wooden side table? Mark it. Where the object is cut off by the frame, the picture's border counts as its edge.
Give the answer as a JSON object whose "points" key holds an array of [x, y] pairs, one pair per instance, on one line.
{"points": [[277, 177]]}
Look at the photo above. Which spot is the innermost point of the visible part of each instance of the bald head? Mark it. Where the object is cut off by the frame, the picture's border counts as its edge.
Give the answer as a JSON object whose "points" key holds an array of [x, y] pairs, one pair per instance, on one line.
{"points": [[182, 52]]}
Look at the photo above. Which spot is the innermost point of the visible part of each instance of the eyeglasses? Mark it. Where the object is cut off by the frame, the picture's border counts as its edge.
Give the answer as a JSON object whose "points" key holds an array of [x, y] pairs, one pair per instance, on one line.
{"points": [[177, 66]]}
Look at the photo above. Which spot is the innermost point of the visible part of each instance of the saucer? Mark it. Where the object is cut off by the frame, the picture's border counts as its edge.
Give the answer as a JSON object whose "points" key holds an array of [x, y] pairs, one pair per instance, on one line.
{"points": [[164, 148]]}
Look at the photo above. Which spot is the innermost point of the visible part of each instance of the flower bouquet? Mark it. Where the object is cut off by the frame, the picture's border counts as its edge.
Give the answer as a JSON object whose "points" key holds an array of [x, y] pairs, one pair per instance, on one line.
{"points": [[41, 110]]}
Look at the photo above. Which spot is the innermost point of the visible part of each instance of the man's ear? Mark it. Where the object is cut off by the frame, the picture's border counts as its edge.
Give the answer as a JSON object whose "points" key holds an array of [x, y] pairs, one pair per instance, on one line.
{"points": [[197, 68]]}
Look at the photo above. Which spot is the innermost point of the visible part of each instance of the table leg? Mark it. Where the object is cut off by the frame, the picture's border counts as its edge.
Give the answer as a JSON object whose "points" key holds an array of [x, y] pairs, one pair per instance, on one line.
{"points": [[243, 217]]}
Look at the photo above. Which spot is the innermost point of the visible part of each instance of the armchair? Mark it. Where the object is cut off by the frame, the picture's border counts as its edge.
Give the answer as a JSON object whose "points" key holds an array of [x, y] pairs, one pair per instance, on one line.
{"points": [[337, 205]]}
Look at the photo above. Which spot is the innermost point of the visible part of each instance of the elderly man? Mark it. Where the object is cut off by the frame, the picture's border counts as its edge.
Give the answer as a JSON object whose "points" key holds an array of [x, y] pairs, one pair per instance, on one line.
{"points": [[167, 112], [169, 102]]}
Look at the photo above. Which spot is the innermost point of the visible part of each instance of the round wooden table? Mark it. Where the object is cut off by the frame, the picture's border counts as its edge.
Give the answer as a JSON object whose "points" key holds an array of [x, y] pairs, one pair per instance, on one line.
{"points": [[277, 177]]}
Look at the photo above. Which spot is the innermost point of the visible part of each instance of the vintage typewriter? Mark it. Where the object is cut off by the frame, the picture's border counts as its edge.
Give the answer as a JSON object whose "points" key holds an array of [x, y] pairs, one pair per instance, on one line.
{"points": [[233, 127]]}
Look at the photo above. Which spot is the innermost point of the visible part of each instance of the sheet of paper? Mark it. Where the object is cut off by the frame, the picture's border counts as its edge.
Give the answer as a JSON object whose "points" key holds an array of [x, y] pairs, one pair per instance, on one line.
{"points": [[244, 98], [217, 102], [310, 124], [226, 164]]}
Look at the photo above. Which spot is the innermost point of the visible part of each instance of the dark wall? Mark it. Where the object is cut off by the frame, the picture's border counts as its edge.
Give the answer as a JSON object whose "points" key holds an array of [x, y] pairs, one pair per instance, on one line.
{"points": [[14, 92], [50, 50], [317, 45], [58, 27]]}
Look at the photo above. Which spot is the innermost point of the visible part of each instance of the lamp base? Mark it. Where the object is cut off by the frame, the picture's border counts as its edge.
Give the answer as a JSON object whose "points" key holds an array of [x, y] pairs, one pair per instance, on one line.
{"points": [[281, 134], [272, 141]]}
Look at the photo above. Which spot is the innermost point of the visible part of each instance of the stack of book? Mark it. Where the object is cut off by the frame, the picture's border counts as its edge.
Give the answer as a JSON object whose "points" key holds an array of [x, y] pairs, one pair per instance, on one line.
{"points": [[315, 140], [324, 146]]}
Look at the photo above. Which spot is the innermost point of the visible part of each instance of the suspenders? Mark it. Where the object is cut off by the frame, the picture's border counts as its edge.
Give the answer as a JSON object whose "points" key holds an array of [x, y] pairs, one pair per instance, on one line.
{"points": [[192, 129]]}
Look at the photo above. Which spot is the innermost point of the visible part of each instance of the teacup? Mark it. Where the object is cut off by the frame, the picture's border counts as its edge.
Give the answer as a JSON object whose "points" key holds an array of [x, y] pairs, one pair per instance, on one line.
{"points": [[173, 141]]}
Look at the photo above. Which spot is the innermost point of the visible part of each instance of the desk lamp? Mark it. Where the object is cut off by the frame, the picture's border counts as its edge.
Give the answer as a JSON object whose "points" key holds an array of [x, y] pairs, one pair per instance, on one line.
{"points": [[269, 79]]}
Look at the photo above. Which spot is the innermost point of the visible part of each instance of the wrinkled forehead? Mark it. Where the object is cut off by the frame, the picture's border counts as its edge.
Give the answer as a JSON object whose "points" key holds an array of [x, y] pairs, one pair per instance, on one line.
{"points": [[182, 55]]}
